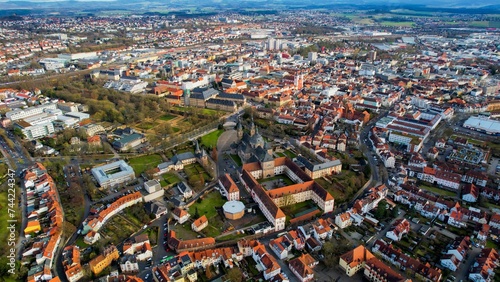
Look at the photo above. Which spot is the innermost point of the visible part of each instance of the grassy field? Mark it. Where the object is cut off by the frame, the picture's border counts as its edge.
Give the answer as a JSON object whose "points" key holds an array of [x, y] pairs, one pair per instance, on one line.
{"points": [[280, 154], [290, 154], [397, 24], [492, 206], [146, 125], [194, 170], [336, 193], [117, 230], [294, 209], [167, 117], [170, 178], [184, 231], [4, 215], [236, 159], [438, 191], [231, 236], [210, 140], [492, 244], [80, 243], [143, 163], [207, 205]]}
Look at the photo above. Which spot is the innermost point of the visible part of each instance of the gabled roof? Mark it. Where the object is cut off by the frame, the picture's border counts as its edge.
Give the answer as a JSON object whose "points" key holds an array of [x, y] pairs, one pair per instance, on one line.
{"points": [[228, 183], [200, 221]]}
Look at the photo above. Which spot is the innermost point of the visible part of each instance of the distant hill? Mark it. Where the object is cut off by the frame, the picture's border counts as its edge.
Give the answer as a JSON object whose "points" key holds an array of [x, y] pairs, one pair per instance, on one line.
{"points": [[143, 6]]}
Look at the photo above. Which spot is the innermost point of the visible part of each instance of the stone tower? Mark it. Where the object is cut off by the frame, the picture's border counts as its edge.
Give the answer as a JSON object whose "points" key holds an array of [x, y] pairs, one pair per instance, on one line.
{"points": [[239, 130], [252, 128]]}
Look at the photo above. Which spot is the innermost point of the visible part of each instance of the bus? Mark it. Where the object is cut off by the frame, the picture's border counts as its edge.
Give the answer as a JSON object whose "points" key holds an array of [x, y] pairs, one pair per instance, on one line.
{"points": [[165, 259]]}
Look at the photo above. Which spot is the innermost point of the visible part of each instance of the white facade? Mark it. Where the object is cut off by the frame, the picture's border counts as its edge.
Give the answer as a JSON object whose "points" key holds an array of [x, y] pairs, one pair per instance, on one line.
{"points": [[24, 113], [38, 131]]}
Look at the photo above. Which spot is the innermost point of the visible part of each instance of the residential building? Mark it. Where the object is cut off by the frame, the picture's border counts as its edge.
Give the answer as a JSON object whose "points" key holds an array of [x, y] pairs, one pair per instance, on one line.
{"points": [[398, 229], [94, 223], [483, 268], [188, 245], [180, 215], [229, 189], [129, 264], [103, 260], [71, 263], [343, 220], [139, 246], [354, 260], [302, 267], [470, 193], [199, 223], [185, 190]]}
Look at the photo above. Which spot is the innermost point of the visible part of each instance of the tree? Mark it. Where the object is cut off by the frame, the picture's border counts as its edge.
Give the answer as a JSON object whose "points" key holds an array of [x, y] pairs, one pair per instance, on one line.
{"points": [[381, 211], [18, 132], [332, 251], [235, 275]]}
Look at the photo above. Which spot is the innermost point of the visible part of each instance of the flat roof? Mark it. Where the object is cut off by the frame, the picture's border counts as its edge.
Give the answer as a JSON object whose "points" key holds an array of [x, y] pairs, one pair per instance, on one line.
{"points": [[233, 207], [482, 123], [100, 172]]}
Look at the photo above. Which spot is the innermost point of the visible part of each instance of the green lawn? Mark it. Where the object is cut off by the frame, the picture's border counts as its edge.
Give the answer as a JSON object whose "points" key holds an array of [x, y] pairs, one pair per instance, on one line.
{"points": [[280, 154], [396, 24], [438, 191], [117, 230], [167, 117], [146, 125], [492, 206], [294, 209], [144, 163], [4, 215], [290, 154], [237, 160], [184, 231], [194, 171], [170, 178], [210, 140], [207, 205], [492, 244], [338, 195], [153, 234], [80, 243], [231, 236]]}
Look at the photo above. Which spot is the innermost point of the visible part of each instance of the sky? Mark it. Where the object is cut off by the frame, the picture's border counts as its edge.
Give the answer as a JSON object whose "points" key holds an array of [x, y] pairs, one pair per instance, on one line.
{"points": [[429, 3]]}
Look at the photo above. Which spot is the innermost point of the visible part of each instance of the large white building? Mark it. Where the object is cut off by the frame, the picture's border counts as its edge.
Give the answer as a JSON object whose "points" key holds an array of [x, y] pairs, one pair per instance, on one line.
{"points": [[24, 113], [32, 132], [113, 174], [483, 124]]}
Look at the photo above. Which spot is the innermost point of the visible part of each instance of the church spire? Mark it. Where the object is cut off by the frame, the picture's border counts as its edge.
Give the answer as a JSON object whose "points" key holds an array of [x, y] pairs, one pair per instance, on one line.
{"points": [[252, 127], [197, 151], [239, 129]]}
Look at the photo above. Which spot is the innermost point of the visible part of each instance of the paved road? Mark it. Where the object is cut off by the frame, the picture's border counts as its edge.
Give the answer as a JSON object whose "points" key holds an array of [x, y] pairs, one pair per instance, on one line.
{"points": [[462, 272], [493, 167], [365, 146]]}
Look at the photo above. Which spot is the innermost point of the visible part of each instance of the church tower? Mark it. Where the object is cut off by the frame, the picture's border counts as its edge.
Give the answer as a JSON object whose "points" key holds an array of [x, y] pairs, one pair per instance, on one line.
{"points": [[252, 128], [298, 81], [239, 130], [197, 151]]}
